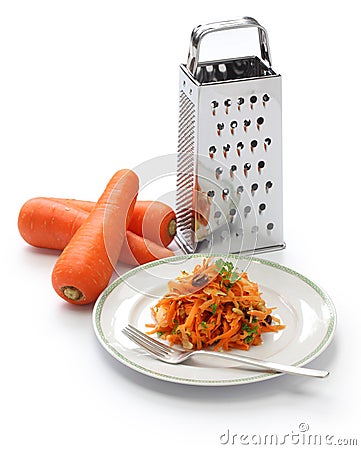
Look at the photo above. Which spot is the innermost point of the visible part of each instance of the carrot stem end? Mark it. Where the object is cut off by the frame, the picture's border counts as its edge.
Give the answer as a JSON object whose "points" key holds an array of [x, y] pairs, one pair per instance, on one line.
{"points": [[72, 293], [172, 228]]}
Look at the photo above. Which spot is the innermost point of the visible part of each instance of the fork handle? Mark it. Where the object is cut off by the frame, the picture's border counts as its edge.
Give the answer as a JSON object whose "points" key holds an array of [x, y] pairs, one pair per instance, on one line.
{"points": [[294, 370]]}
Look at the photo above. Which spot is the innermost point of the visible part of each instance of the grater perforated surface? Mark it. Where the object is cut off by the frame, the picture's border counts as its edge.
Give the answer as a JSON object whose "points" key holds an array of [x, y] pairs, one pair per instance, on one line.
{"points": [[229, 182]]}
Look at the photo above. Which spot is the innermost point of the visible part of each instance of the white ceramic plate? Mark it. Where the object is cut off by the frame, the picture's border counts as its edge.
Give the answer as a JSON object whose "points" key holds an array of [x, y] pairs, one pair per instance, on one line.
{"points": [[305, 309]]}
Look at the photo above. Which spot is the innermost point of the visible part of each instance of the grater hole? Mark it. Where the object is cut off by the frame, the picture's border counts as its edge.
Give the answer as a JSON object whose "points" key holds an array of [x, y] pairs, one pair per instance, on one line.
{"points": [[247, 209], [260, 121], [226, 149], [233, 125], [240, 146], [239, 232], [214, 106], [261, 165], [246, 124], [225, 193], [240, 102], [261, 207], [253, 99], [217, 215], [232, 214], [219, 172], [254, 188], [232, 170], [265, 99], [239, 190], [220, 127], [246, 168], [212, 150], [211, 194], [255, 229], [254, 144], [267, 143], [227, 104], [270, 226], [268, 185]]}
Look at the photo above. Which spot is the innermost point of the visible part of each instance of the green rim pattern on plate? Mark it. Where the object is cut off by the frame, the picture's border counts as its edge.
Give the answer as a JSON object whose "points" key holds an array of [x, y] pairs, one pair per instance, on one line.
{"points": [[104, 341]]}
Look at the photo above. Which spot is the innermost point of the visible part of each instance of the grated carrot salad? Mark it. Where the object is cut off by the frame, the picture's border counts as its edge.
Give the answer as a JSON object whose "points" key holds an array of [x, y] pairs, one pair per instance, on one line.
{"points": [[213, 306]]}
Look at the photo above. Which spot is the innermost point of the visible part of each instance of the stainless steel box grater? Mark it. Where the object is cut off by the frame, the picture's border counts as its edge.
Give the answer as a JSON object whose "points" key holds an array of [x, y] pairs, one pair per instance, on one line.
{"points": [[229, 160]]}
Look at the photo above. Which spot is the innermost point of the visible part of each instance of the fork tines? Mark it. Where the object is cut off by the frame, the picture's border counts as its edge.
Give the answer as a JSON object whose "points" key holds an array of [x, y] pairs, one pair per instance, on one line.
{"points": [[152, 345]]}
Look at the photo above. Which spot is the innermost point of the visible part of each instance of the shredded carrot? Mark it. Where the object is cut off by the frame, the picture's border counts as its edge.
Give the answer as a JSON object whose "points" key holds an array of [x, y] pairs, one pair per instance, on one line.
{"points": [[213, 306]]}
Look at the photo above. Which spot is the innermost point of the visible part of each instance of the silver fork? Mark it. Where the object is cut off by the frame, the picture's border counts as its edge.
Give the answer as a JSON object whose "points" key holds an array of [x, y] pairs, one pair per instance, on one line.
{"points": [[173, 355]]}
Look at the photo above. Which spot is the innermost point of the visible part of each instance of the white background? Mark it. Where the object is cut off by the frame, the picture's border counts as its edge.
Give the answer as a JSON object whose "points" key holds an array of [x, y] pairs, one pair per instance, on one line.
{"points": [[89, 87]]}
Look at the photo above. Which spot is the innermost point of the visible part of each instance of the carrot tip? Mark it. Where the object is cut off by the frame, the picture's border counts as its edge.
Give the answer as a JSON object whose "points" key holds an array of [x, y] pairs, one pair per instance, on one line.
{"points": [[72, 293], [172, 228]]}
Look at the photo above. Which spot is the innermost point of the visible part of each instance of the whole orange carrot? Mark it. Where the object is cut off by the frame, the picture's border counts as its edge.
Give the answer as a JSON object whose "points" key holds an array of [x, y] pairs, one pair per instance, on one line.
{"points": [[138, 250], [51, 223], [85, 266], [153, 220], [85, 205]]}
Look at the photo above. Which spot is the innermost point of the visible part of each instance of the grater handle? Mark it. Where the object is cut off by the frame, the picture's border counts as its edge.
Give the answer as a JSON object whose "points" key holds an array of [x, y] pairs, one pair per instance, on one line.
{"points": [[202, 30]]}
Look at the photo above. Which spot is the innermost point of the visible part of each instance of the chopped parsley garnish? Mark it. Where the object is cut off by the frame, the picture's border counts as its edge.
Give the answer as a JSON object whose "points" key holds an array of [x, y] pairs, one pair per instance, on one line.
{"points": [[250, 331], [228, 273], [175, 327], [214, 308]]}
